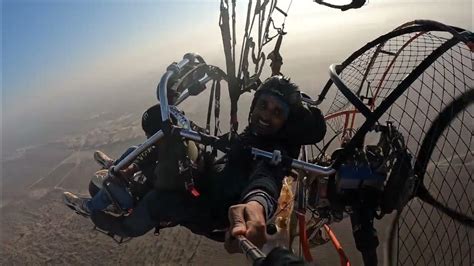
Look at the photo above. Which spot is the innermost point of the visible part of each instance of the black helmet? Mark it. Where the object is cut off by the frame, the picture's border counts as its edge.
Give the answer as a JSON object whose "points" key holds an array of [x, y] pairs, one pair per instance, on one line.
{"points": [[151, 120], [304, 125], [281, 87]]}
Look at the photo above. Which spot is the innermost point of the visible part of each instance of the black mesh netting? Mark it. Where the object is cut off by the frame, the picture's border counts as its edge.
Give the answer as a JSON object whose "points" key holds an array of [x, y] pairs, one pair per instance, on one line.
{"points": [[425, 235]]}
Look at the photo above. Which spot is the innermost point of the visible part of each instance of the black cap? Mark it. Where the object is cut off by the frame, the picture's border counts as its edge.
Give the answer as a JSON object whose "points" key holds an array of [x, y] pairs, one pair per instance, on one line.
{"points": [[281, 87], [151, 120]]}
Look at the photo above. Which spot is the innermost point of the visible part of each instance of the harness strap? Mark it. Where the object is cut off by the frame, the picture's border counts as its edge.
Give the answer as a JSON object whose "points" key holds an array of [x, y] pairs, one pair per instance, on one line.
{"points": [[186, 168]]}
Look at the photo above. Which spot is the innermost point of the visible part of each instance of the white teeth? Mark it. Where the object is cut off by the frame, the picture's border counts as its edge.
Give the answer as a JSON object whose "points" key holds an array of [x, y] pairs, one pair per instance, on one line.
{"points": [[263, 123]]}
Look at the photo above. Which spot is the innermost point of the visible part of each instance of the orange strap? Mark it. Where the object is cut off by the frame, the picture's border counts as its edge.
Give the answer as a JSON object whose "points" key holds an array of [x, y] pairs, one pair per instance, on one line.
{"points": [[304, 237], [342, 255]]}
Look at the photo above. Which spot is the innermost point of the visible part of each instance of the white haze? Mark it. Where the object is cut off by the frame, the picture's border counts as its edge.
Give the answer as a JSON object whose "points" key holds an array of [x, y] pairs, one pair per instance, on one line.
{"points": [[125, 81]]}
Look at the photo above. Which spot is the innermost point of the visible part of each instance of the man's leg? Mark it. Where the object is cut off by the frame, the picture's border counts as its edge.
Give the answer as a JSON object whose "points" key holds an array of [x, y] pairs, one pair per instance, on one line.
{"points": [[100, 199], [106, 162], [76, 203], [103, 159], [155, 207]]}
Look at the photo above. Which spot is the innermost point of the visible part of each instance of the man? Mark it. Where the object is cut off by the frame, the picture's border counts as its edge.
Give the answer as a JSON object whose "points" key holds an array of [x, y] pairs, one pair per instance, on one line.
{"points": [[239, 191], [146, 163]]}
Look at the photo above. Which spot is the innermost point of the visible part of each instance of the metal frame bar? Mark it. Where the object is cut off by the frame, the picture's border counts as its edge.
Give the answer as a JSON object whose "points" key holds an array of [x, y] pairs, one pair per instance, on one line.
{"points": [[392, 97], [354, 99]]}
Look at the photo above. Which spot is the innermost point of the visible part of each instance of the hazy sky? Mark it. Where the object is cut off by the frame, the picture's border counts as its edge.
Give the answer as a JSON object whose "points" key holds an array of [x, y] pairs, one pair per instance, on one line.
{"points": [[49, 41], [63, 56]]}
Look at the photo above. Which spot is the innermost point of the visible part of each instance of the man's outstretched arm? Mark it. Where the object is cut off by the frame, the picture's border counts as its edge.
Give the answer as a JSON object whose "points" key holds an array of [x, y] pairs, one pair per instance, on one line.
{"points": [[258, 203], [248, 220]]}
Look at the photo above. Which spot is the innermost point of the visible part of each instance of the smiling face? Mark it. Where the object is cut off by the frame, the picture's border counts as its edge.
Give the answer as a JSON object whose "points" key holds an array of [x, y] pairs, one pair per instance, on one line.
{"points": [[269, 115]]}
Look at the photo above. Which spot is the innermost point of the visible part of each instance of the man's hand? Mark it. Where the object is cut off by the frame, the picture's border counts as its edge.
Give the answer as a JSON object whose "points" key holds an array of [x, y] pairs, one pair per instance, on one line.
{"points": [[248, 220], [128, 172]]}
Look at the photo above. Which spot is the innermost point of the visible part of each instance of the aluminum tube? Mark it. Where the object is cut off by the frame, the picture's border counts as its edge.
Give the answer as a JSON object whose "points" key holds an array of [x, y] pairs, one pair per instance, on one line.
{"points": [[314, 168], [147, 144], [262, 153], [163, 86], [342, 87], [249, 249], [189, 134], [163, 97]]}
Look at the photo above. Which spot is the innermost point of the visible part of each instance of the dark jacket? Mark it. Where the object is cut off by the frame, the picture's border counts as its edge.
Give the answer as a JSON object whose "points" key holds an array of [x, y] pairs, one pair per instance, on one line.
{"points": [[243, 178]]}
